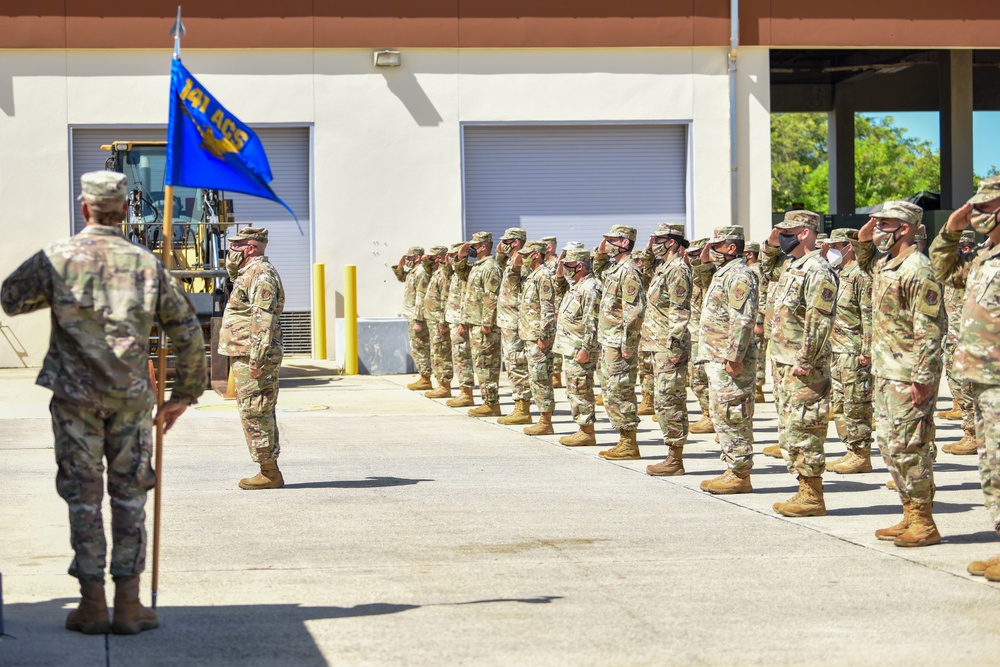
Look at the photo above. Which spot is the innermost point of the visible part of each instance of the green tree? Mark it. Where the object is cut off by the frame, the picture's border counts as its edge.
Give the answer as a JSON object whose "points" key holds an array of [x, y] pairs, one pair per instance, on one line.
{"points": [[798, 149]]}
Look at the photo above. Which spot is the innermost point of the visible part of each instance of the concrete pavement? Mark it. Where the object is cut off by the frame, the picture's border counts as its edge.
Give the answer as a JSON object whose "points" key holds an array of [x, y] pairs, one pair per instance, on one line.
{"points": [[408, 533]]}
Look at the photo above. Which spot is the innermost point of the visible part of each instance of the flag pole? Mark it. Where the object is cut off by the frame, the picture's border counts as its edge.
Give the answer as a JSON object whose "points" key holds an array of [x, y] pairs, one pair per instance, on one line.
{"points": [[167, 257]]}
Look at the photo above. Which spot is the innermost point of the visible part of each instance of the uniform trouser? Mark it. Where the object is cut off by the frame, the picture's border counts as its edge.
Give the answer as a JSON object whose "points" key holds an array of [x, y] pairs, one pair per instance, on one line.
{"points": [[732, 411], [761, 363], [905, 434], [646, 381], [486, 360], [557, 363], [461, 357], [441, 364], [540, 372], [516, 363], [84, 437], [961, 390], [986, 404], [257, 399], [803, 405], [618, 385], [852, 401], [580, 389], [420, 347], [699, 383], [670, 397]]}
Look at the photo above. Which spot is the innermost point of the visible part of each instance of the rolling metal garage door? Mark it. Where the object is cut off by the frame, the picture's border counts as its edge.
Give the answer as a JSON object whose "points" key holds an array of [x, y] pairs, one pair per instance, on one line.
{"points": [[574, 181], [288, 153]]}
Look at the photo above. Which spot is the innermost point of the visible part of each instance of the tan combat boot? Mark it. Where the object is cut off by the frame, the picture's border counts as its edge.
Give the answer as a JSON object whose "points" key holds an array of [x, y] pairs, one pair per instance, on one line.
{"points": [[130, 616], [758, 396], [892, 532], [557, 381], [422, 384], [921, 532], [269, 477], [728, 483], [443, 391], [774, 451], [486, 410], [703, 425], [463, 400], [977, 568], [954, 414], [599, 400], [645, 407], [543, 427], [520, 415], [992, 573], [891, 485], [582, 438], [673, 465], [625, 450], [855, 461], [91, 616], [807, 502], [964, 447]]}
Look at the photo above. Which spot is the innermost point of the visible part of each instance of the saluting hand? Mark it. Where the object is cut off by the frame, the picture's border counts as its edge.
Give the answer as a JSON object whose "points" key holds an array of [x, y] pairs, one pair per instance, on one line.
{"points": [[960, 218], [866, 233]]}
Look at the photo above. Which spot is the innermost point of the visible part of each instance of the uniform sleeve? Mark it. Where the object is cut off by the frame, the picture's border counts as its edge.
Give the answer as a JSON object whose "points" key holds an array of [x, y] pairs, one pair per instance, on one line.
{"points": [[863, 285], [591, 307], [949, 267], [819, 295], [491, 290], [29, 287], [633, 309], [925, 298], [600, 266], [263, 317], [423, 281], [742, 306], [762, 298], [399, 272], [679, 285], [432, 299], [703, 274], [179, 321], [866, 255], [773, 262], [547, 307]]}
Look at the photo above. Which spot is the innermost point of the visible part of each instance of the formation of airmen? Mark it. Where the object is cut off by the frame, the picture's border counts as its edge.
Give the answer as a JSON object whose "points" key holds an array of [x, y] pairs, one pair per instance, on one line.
{"points": [[859, 325]]}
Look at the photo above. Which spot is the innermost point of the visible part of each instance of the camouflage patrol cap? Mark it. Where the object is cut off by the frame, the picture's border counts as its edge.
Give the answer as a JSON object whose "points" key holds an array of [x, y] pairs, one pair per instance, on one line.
{"points": [[697, 245], [413, 250], [577, 255], [968, 236], [822, 238], [104, 191], [482, 237], [641, 254], [550, 240], [259, 234], [573, 245], [905, 211], [621, 232], [514, 233], [807, 219], [437, 250], [532, 247], [921, 234], [989, 189], [754, 247], [843, 235], [726, 234], [455, 247], [668, 229]]}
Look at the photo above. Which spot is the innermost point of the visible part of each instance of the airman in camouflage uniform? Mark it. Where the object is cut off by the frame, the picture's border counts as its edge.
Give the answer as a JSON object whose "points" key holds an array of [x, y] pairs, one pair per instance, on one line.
{"points": [[479, 314], [576, 340], [647, 264], [461, 348], [804, 309], [851, 344], [753, 261], [435, 309], [623, 304], [536, 325], [906, 362], [512, 345], [104, 294], [414, 270], [667, 341], [728, 350], [251, 337], [561, 285], [698, 378], [976, 352]]}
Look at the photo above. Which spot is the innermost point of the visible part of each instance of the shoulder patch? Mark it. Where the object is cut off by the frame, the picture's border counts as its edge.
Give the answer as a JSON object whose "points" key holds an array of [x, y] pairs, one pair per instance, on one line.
{"points": [[545, 289], [679, 292], [630, 289], [493, 282], [826, 295], [738, 293], [929, 301]]}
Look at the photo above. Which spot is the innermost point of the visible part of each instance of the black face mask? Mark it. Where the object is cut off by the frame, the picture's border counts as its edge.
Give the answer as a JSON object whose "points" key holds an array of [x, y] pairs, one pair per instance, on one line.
{"points": [[788, 242]]}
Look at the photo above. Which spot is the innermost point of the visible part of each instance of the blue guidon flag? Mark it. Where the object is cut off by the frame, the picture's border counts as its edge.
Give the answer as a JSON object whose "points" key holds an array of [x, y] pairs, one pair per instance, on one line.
{"points": [[208, 147]]}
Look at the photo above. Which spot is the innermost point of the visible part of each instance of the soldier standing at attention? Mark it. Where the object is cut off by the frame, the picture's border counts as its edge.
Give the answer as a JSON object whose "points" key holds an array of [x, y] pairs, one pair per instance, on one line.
{"points": [[665, 337], [251, 336], [414, 270], [728, 351], [804, 308], [479, 314], [552, 263], [435, 307], [461, 350], [698, 379], [104, 294], [976, 352], [753, 261], [906, 361], [623, 304], [536, 325], [512, 346], [647, 264], [576, 340], [851, 344]]}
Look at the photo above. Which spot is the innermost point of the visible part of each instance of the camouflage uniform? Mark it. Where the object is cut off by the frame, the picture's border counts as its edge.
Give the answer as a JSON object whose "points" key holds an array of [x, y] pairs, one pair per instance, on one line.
{"points": [[104, 294], [435, 307], [698, 377], [537, 322], [908, 315], [760, 338], [512, 345], [479, 311], [800, 326], [416, 278], [561, 286], [576, 329], [251, 335], [954, 301], [461, 351], [726, 335]]}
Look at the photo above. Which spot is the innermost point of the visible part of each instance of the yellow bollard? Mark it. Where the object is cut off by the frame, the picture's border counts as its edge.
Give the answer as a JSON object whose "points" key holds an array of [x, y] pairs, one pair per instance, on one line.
{"points": [[319, 311], [350, 320]]}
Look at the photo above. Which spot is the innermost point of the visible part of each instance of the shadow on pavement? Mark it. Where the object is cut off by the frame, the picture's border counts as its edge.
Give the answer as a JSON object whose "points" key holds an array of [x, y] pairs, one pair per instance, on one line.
{"points": [[896, 508], [369, 483]]}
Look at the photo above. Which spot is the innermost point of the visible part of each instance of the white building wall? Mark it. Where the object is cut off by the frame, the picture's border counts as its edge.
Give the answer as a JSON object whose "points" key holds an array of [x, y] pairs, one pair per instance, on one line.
{"points": [[386, 142]]}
